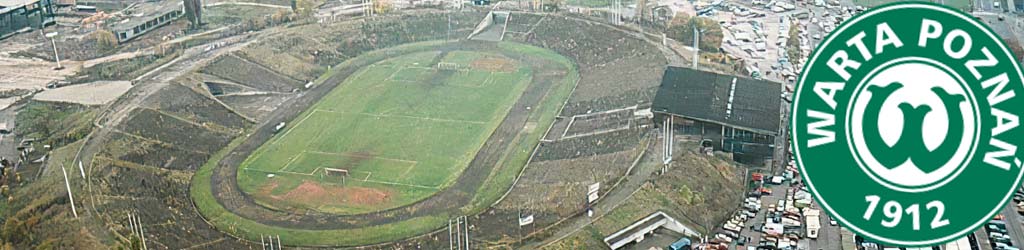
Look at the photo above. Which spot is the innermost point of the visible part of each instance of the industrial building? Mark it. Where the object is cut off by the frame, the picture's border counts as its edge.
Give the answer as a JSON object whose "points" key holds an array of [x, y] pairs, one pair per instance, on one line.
{"points": [[145, 17], [736, 114], [18, 16]]}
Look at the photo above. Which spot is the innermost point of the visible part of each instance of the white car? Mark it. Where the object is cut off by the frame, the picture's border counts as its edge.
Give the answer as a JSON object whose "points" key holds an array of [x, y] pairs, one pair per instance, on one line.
{"points": [[832, 221]]}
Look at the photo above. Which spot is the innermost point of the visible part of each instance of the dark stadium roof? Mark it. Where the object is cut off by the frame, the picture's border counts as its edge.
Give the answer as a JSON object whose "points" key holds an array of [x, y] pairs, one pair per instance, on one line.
{"points": [[704, 96]]}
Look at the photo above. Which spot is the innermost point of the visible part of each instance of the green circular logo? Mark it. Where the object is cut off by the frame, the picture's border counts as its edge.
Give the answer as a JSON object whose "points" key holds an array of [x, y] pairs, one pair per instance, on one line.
{"points": [[905, 124]]}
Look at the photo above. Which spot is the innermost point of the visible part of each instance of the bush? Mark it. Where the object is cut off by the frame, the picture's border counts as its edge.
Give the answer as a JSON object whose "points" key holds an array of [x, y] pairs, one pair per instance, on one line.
{"points": [[104, 39], [681, 29], [793, 44], [382, 6], [54, 123], [305, 8]]}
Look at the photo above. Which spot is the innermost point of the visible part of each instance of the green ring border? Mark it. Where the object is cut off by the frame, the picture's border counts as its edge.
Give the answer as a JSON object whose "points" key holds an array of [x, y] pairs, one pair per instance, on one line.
{"points": [[817, 52]]}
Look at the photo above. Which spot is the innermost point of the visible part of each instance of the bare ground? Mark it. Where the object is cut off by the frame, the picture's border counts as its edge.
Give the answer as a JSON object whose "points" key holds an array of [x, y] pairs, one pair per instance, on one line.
{"points": [[96, 93]]}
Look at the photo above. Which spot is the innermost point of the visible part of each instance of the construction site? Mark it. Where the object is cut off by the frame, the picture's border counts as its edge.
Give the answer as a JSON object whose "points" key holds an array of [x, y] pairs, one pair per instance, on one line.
{"points": [[378, 124]]}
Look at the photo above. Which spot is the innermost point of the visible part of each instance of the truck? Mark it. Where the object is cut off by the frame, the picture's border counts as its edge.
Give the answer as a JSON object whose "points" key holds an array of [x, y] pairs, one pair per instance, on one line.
{"points": [[811, 218]]}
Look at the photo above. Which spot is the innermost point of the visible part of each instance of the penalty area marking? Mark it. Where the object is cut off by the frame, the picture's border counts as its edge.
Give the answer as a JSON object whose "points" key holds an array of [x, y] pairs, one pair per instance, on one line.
{"points": [[412, 164]]}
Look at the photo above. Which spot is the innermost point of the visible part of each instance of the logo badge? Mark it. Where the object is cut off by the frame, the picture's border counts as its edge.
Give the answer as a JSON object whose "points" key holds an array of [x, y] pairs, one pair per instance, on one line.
{"points": [[905, 124]]}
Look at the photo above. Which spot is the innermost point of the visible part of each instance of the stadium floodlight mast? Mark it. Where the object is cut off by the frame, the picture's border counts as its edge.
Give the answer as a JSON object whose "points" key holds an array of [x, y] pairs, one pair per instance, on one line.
{"points": [[616, 12], [136, 226], [669, 140], [52, 36], [81, 169], [269, 240], [68, 185], [368, 8], [696, 45], [458, 239], [131, 226]]}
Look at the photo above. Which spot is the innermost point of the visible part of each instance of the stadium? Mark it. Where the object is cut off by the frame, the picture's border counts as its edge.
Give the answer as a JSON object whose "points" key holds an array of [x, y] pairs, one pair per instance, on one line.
{"points": [[458, 128], [405, 135], [416, 125], [421, 124]]}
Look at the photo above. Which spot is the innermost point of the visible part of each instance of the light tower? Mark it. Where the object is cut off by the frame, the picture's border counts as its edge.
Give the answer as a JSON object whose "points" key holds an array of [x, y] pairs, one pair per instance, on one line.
{"points": [[52, 36]]}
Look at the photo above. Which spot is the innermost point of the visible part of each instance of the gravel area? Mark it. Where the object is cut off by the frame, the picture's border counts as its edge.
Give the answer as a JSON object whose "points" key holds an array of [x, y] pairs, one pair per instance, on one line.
{"points": [[95, 93]]}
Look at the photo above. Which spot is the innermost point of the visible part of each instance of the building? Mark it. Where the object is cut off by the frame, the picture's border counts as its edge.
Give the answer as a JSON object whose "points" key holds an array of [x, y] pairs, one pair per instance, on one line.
{"points": [[738, 115], [642, 228], [144, 17], [23, 15]]}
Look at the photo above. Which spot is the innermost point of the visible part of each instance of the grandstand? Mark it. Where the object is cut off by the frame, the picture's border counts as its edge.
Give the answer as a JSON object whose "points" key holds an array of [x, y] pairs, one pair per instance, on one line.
{"points": [[739, 115], [492, 27]]}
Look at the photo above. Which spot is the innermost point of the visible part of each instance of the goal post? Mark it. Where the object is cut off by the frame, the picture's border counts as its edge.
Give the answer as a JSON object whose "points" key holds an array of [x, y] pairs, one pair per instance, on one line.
{"points": [[330, 173], [335, 172], [447, 66]]}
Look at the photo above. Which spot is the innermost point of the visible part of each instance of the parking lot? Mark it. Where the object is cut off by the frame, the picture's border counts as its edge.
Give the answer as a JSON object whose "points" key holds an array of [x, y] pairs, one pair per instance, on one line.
{"points": [[758, 33], [757, 231]]}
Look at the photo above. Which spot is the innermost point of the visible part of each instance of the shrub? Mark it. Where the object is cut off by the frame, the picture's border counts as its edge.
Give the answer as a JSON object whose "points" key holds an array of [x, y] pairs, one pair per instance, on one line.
{"points": [[681, 29], [104, 39]]}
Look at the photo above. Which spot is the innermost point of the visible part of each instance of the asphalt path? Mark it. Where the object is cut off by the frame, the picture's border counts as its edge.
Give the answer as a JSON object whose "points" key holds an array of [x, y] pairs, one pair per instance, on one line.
{"points": [[1013, 226]]}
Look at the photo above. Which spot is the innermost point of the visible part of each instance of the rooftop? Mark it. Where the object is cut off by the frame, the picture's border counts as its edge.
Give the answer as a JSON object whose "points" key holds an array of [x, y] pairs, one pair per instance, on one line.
{"points": [[13, 3], [144, 12], [705, 96], [8, 5]]}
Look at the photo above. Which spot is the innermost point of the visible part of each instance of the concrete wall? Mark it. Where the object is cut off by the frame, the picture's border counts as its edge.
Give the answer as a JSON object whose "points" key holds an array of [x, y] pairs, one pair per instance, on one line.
{"points": [[126, 34]]}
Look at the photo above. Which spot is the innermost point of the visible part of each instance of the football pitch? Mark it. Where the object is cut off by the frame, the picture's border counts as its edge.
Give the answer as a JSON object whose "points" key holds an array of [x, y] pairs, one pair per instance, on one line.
{"points": [[394, 133]]}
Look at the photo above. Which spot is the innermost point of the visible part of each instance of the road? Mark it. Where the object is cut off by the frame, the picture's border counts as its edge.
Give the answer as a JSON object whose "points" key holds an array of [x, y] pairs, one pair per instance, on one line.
{"points": [[778, 193], [982, 238], [1013, 226]]}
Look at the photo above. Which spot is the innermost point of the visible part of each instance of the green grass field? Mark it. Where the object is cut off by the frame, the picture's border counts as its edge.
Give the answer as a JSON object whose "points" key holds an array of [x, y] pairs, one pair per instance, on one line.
{"points": [[511, 163], [401, 128]]}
